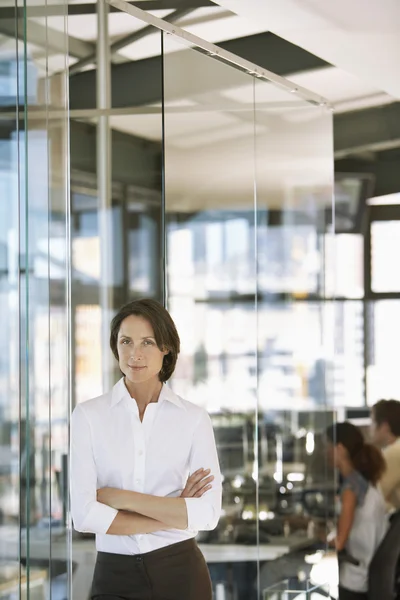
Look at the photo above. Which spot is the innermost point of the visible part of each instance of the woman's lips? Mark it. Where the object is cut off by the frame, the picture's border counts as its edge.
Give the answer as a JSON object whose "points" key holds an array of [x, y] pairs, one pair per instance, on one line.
{"points": [[136, 368]]}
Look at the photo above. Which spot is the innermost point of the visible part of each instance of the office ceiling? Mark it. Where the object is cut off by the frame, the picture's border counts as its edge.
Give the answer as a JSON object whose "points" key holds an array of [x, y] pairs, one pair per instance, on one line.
{"points": [[346, 53], [360, 37]]}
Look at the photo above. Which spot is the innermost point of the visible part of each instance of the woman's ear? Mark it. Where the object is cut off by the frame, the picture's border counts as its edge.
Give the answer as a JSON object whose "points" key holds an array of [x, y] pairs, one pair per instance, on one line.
{"points": [[341, 451], [165, 351]]}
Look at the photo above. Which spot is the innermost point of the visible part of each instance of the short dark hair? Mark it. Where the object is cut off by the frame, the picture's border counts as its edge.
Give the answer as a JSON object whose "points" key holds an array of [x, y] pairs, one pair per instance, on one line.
{"points": [[165, 332], [388, 411]]}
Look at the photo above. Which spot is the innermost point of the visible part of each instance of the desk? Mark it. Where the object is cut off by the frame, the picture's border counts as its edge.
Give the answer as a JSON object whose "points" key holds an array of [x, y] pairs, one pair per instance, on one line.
{"points": [[83, 555], [37, 586], [231, 553]]}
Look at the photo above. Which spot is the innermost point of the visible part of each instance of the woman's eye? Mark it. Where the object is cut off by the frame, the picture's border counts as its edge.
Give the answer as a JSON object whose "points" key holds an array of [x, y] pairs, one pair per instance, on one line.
{"points": [[125, 342], [148, 343]]}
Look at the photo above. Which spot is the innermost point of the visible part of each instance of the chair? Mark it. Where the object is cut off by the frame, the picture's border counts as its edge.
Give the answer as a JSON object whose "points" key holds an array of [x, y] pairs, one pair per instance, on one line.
{"points": [[384, 572]]}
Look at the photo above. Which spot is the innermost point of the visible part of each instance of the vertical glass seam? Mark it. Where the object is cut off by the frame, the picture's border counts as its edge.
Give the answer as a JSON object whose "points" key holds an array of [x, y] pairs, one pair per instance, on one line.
{"points": [[163, 183], [19, 332], [256, 435], [49, 217], [68, 305], [27, 328]]}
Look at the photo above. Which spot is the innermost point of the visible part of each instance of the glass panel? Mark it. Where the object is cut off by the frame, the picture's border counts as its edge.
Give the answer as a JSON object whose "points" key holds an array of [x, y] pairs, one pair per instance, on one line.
{"points": [[348, 199], [47, 308], [349, 374], [287, 590], [117, 238], [117, 243], [385, 244], [296, 325], [384, 348], [344, 265], [235, 360], [35, 289], [11, 64], [211, 271]]}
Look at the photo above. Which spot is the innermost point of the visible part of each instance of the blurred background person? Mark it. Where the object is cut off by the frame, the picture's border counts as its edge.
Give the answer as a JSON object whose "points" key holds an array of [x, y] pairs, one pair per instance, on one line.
{"points": [[362, 520], [385, 417]]}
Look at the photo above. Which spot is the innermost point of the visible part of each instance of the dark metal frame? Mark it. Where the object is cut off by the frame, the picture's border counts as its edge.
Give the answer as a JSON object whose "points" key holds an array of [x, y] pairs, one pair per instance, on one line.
{"points": [[10, 12]]}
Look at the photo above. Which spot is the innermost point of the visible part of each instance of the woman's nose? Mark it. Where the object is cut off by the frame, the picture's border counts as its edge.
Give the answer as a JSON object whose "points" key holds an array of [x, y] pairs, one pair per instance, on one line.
{"points": [[136, 354]]}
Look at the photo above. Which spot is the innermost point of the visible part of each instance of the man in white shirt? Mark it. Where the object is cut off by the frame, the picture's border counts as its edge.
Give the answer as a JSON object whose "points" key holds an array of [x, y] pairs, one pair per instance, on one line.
{"points": [[386, 434], [385, 428], [132, 451]]}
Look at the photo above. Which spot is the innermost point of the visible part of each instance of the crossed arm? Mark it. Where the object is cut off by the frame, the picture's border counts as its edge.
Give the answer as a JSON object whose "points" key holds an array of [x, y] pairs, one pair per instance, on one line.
{"points": [[122, 512], [143, 513]]}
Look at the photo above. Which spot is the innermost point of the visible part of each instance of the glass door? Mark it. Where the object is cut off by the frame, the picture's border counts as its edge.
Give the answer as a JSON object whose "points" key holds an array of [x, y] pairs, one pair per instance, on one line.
{"points": [[34, 289]]}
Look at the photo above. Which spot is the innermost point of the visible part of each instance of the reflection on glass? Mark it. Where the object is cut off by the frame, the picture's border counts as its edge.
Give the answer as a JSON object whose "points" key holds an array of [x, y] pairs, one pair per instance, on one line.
{"points": [[9, 317], [296, 367], [34, 537], [344, 266], [289, 258], [348, 369], [385, 244], [133, 221], [246, 231], [302, 590], [348, 195], [382, 373], [211, 271]]}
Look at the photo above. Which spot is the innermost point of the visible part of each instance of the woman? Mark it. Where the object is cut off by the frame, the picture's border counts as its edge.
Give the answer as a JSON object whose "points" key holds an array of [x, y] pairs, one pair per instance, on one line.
{"points": [[362, 521], [132, 451]]}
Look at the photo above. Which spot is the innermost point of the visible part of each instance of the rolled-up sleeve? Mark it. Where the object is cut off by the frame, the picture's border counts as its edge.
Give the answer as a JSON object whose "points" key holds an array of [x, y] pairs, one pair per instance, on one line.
{"points": [[204, 513], [88, 515]]}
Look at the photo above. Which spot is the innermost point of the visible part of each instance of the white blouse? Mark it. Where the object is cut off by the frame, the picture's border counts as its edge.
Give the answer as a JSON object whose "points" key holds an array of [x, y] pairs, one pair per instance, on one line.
{"points": [[111, 447]]}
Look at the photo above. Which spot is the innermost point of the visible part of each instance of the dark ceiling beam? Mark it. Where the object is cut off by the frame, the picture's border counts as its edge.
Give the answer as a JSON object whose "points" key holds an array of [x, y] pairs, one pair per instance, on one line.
{"points": [[48, 10], [86, 9], [385, 167], [51, 40], [129, 39], [134, 160], [370, 129], [138, 83]]}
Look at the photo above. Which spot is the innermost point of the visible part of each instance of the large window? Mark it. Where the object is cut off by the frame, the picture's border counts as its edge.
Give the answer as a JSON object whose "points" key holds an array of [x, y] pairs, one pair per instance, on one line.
{"points": [[382, 299]]}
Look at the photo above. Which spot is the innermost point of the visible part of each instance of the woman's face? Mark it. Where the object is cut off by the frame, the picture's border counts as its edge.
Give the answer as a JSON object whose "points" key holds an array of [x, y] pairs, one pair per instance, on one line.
{"points": [[337, 455], [140, 359]]}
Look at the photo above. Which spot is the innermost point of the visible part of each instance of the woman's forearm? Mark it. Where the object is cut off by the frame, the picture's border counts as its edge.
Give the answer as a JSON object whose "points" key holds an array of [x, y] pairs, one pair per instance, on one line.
{"points": [[171, 511], [128, 523]]}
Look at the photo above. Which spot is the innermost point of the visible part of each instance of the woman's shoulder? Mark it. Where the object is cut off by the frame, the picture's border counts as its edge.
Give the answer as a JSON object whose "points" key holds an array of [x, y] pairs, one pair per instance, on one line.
{"points": [[192, 410], [357, 484], [95, 404]]}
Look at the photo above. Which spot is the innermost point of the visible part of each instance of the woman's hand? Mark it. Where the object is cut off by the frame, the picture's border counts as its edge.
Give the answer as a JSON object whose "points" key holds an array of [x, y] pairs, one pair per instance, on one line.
{"points": [[112, 497], [197, 484]]}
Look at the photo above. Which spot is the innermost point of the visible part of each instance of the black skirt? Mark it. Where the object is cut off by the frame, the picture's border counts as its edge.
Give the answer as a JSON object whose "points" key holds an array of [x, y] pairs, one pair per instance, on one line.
{"points": [[177, 572]]}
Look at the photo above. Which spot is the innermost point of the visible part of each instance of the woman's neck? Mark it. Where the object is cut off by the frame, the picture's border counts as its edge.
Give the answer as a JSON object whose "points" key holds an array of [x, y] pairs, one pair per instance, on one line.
{"points": [[144, 393]]}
